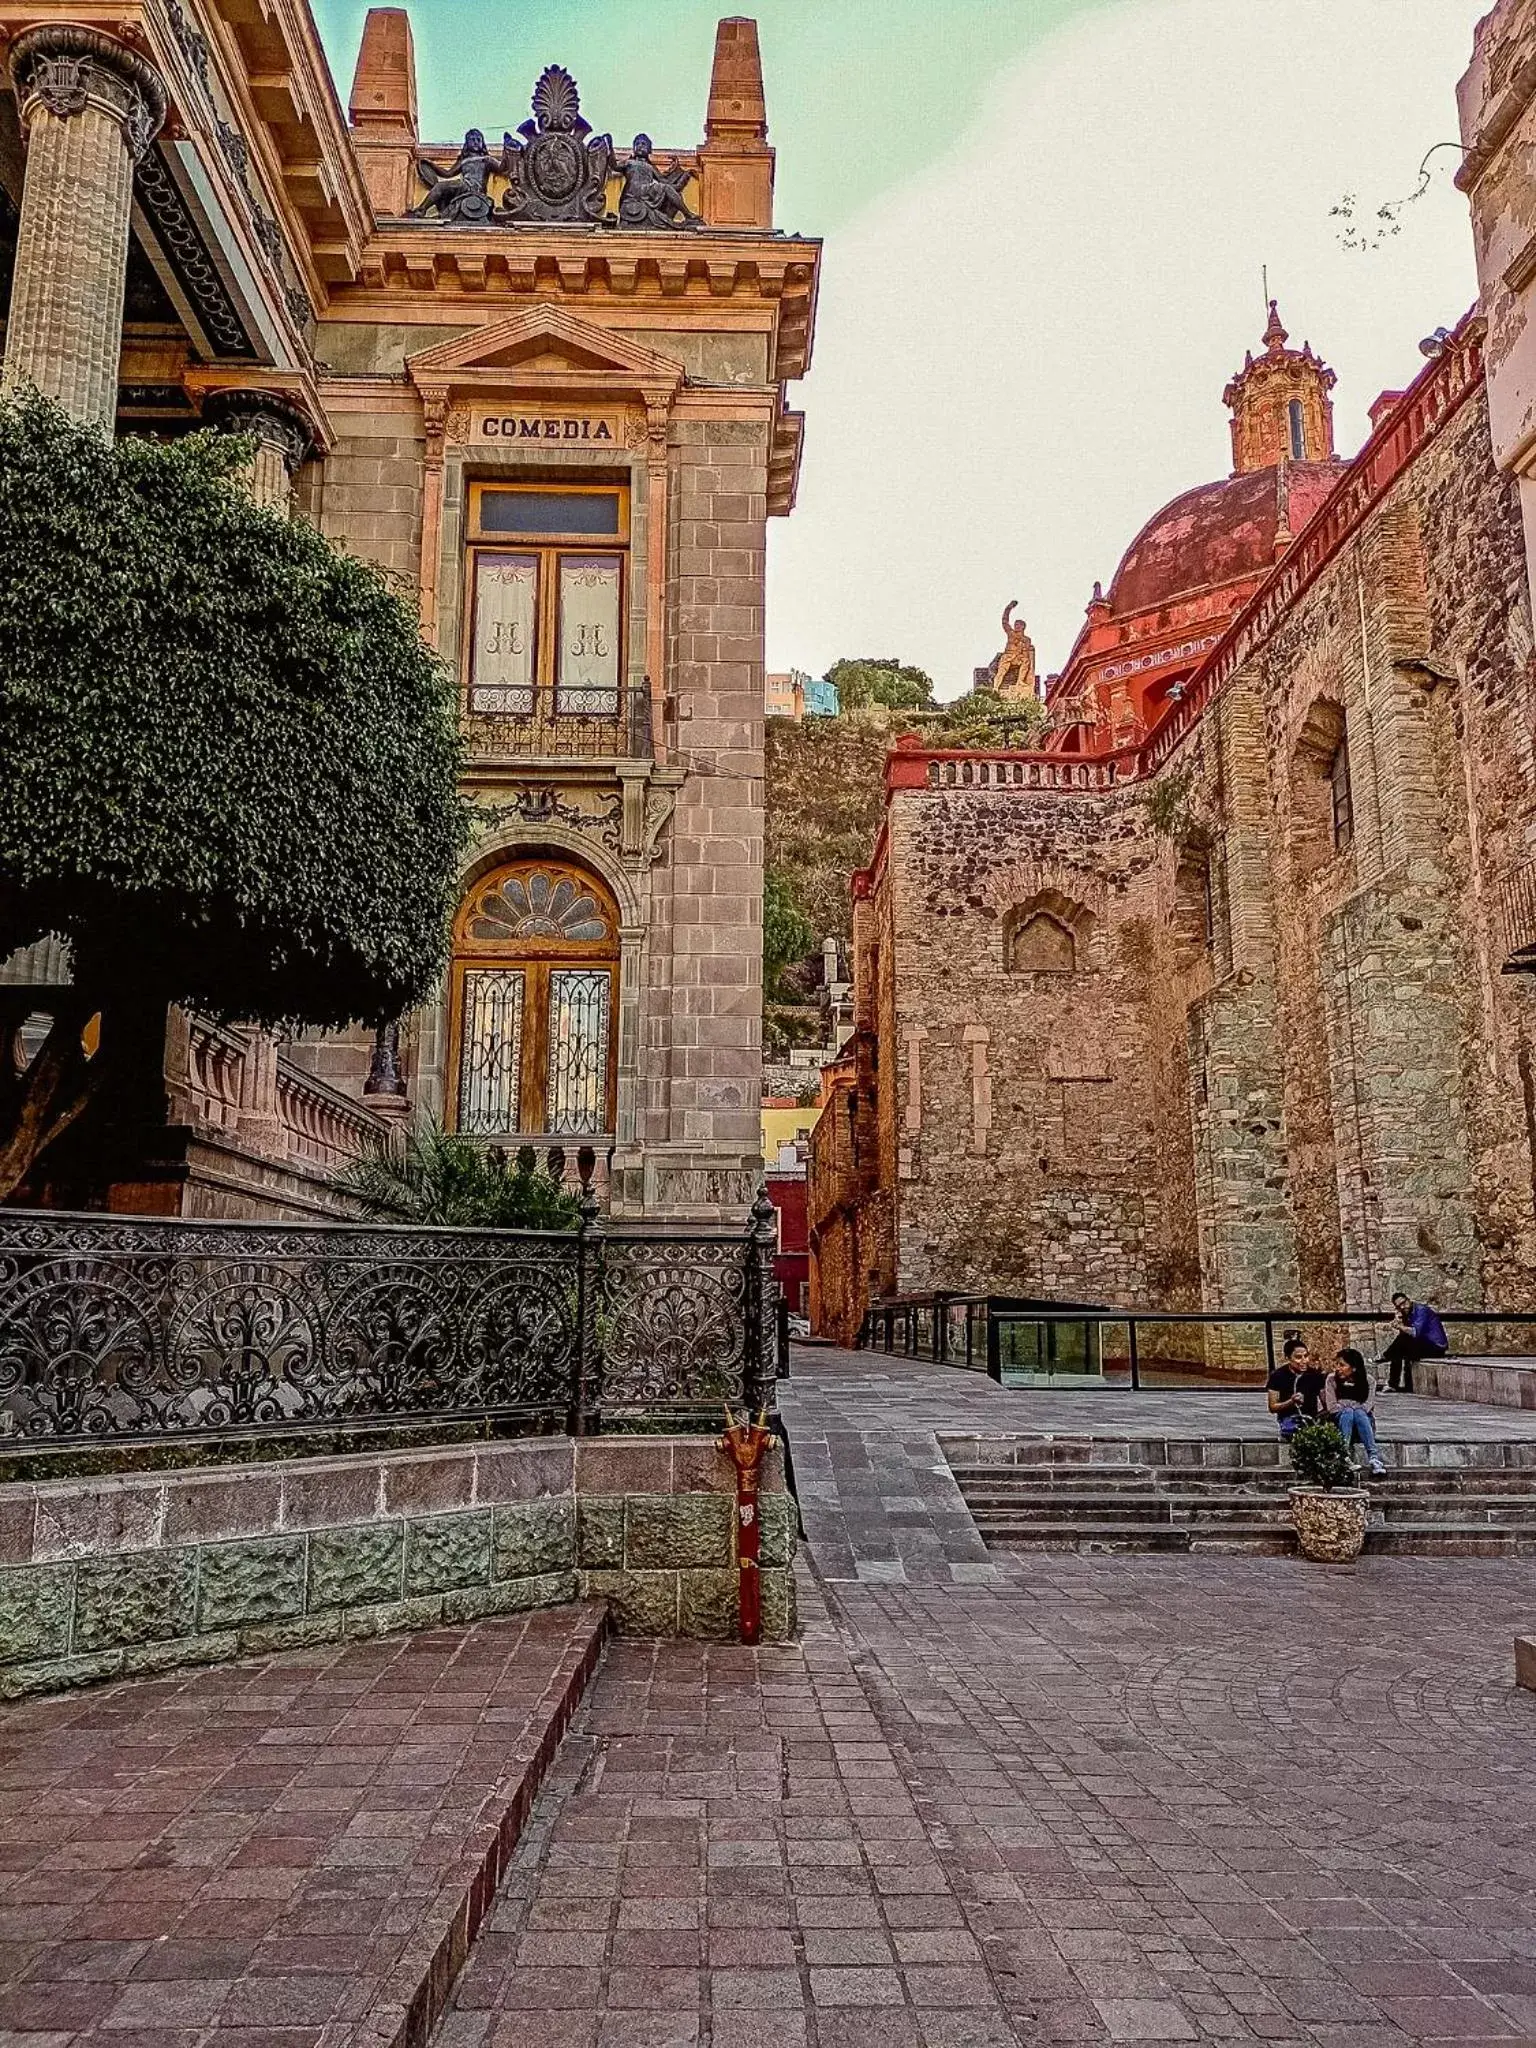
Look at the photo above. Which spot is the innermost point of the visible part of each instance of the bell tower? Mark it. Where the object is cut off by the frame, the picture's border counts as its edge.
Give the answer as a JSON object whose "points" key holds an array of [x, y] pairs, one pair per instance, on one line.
{"points": [[1281, 410]]}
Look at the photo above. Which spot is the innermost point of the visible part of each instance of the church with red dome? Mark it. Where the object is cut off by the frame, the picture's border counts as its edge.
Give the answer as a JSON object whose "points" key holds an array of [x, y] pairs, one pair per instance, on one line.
{"points": [[1221, 996], [1200, 559]]}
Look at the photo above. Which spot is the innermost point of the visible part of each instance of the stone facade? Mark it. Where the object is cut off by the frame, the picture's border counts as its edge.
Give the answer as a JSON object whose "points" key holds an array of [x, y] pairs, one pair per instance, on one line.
{"points": [[112, 1577], [403, 337], [1226, 1020]]}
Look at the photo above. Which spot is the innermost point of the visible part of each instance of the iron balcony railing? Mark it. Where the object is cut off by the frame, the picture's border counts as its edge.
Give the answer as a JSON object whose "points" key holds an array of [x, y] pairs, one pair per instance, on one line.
{"points": [[580, 725], [116, 1327]]}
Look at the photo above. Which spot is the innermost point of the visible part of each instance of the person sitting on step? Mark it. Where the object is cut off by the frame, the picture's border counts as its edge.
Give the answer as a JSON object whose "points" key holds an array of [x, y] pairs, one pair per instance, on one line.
{"points": [[1417, 1333], [1295, 1388], [1347, 1397]]}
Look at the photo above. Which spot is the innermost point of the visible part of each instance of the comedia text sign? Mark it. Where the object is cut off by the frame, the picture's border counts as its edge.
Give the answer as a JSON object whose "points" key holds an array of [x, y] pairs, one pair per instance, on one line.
{"points": [[507, 423]]}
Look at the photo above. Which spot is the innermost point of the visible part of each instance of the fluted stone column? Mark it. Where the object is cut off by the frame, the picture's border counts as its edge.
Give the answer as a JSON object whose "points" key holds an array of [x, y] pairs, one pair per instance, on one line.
{"points": [[89, 108], [281, 435]]}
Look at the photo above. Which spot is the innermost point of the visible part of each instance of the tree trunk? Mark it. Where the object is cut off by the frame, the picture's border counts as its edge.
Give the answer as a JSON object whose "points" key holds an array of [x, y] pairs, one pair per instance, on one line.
{"points": [[123, 1082], [41, 1103]]}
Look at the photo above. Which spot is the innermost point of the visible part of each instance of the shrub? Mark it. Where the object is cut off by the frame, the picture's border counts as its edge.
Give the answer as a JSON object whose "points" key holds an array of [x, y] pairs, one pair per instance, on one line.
{"points": [[1320, 1457], [428, 1175]]}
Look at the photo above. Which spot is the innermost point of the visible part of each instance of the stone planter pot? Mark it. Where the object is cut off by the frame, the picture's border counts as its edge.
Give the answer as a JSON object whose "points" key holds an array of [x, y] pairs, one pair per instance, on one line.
{"points": [[1331, 1526]]}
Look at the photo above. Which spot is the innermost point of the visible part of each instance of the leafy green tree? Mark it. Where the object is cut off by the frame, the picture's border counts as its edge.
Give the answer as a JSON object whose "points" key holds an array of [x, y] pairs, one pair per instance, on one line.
{"points": [[876, 679], [428, 1175], [982, 718], [788, 934], [228, 764]]}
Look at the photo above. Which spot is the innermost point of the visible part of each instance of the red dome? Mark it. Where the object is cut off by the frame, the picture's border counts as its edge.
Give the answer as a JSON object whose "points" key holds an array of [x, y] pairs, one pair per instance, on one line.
{"points": [[1216, 534]]}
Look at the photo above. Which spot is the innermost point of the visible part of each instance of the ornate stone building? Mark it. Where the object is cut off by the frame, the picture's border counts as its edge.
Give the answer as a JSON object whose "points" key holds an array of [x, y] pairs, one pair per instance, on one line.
{"points": [[545, 382], [1227, 1016]]}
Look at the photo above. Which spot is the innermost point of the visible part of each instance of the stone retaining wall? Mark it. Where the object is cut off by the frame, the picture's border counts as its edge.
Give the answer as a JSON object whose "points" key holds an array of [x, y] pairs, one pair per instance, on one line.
{"points": [[1496, 1382], [108, 1577]]}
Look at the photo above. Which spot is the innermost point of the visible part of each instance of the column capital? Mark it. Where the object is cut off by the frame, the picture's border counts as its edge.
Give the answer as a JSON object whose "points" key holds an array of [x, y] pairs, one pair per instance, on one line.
{"points": [[66, 67], [270, 418]]}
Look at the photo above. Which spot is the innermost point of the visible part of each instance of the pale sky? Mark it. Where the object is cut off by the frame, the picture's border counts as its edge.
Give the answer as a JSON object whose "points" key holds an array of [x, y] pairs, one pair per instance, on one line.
{"points": [[1045, 225]]}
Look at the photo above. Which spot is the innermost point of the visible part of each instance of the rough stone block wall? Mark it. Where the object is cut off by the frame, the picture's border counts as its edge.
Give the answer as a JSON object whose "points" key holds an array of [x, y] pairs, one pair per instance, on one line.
{"points": [[1247, 1237], [1027, 1162], [1289, 1065], [1394, 1045], [112, 1577]]}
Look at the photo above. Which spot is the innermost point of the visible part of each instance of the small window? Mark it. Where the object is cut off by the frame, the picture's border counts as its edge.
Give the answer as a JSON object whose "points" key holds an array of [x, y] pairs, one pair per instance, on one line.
{"points": [[1298, 431], [538, 514], [1341, 803]]}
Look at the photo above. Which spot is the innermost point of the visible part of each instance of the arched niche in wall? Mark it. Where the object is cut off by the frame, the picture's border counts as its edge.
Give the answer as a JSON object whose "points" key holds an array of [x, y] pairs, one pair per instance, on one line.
{"points": [[1049, 934], [1322, 801]]}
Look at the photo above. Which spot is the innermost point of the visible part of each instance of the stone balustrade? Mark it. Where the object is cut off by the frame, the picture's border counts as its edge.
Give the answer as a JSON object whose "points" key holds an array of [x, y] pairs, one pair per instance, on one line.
{"points": [[306, 1124]]}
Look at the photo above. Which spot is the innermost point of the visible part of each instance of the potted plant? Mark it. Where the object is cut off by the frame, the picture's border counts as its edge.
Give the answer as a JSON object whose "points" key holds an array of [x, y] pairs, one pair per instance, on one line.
{"points": [[1327, 1506]]}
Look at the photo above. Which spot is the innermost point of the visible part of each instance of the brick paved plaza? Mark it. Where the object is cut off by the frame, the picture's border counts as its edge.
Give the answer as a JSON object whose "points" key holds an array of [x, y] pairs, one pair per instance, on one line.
{"points": [[981, 1801], [1097, 1801]]}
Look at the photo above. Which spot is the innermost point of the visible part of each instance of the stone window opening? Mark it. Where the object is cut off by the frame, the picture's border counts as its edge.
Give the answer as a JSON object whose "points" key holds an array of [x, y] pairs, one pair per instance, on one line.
{"points": [[1298, 431], [1322, 804], [547, 572], [1194, 904]]}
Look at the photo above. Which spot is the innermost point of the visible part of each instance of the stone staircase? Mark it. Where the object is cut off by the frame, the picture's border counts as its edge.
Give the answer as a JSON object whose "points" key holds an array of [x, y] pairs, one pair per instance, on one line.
{"points": [[1185, 1494]]}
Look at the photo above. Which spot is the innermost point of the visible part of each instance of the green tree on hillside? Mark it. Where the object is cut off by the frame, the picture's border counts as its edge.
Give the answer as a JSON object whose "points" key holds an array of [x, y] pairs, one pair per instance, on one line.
{"points": [[825, 795], [228, 766], [876, 679], [788, 934]]}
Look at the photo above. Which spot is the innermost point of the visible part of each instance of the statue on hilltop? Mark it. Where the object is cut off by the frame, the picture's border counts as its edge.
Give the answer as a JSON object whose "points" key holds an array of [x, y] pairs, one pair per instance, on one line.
{"points": [[1013, 672]]}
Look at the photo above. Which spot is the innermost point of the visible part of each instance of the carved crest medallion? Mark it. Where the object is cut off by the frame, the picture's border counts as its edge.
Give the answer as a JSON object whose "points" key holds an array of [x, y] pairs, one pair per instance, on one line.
{"points": [[559, 171]]}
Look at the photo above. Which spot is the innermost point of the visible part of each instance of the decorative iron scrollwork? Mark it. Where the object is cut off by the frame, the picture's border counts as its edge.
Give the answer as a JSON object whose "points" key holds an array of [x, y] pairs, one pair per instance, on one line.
{"points": [[676, 1321], [131, 1327]]}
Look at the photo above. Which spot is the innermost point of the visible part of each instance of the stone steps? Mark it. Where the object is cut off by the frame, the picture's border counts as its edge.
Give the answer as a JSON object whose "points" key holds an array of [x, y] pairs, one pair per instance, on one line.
{"points": [[1123, 1495]]}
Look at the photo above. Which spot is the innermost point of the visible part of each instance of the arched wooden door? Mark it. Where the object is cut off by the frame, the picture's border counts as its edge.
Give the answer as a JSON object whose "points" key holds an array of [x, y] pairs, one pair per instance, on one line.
{"points": [[534, 1004]]}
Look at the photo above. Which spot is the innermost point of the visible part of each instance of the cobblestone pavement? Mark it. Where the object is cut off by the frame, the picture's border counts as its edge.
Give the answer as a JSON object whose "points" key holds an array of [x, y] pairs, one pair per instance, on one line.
{"points": [[1123, 1800], [880, 1505]]}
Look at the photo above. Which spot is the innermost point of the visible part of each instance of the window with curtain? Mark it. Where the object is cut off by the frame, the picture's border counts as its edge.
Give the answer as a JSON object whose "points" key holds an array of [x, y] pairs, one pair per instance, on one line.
{"points": [[547, 571]]}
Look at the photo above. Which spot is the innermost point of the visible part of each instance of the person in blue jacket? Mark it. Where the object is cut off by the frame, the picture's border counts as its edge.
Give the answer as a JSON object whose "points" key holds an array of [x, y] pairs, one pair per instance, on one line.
{"points": [[1419, 1333]]}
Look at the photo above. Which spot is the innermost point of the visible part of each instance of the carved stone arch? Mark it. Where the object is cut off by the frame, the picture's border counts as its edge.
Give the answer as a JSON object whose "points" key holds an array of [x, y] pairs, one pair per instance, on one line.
{"points": [[513, 840], [1322, 730], [1048, 933], [1025, 881]]}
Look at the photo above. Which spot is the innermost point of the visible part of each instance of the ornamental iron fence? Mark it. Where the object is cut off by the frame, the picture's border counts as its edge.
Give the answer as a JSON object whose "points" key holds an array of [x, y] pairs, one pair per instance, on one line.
{"points": [[122, 1327]]}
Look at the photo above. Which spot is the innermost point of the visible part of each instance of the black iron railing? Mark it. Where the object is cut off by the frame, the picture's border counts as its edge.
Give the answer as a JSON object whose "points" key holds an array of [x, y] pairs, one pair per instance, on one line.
{"points": [[126, 1327], [1026, 1341], [581, 725]]}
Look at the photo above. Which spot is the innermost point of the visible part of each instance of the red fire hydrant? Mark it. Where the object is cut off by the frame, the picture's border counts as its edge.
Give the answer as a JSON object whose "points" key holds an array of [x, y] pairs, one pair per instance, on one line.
{"points": [[745, 1443]]}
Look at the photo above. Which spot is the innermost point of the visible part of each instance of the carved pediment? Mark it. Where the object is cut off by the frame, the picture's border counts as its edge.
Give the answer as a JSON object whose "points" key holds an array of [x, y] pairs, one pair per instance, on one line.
{"points": [[545, 345]]}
